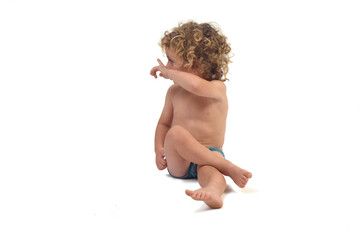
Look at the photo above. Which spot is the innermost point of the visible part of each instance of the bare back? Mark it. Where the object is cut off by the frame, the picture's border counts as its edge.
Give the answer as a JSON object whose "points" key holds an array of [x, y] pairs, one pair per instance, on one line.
{"points": [[204, 118]]}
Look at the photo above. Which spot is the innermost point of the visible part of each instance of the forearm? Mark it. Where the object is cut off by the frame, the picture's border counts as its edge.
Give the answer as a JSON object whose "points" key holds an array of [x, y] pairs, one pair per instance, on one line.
{"points": [[160, 133]]}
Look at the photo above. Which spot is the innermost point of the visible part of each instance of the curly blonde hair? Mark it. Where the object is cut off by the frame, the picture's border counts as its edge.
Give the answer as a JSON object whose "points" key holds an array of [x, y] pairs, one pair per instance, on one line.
{"points": [[201, 46]]}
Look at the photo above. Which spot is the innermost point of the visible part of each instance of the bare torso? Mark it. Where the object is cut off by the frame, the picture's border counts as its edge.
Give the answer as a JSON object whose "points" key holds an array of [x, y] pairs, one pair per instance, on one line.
{"points": [[204, 118]]}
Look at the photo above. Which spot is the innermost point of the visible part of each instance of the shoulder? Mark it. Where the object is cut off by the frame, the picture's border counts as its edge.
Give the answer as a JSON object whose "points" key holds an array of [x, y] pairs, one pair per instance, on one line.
{"points": [[173, 89], [219, 86]]}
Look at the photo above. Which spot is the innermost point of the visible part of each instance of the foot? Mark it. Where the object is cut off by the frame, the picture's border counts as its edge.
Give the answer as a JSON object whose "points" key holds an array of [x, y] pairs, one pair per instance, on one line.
{"points": [[208, 195], [239, 176]]}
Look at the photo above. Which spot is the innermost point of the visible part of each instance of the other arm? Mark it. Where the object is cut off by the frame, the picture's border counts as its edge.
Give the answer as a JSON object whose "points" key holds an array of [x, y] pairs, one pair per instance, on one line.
{"points": [[162, 128]]}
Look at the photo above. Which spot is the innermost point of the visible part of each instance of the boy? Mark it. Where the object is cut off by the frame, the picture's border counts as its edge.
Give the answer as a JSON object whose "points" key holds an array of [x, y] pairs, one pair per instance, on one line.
{"points": [[191, 129]]}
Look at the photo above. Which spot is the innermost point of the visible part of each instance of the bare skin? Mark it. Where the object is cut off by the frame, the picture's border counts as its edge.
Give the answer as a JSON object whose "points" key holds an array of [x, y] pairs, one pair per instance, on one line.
{"points": [[194, 118], [212, 187]]}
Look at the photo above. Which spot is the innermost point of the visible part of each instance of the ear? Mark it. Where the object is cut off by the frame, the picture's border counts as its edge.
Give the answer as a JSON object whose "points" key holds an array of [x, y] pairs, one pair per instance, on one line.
{"points": [[196, 68]]}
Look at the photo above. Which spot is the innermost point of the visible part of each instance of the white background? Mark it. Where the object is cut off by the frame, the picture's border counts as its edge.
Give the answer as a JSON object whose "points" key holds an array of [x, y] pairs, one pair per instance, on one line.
{"points": [[78, 111]]}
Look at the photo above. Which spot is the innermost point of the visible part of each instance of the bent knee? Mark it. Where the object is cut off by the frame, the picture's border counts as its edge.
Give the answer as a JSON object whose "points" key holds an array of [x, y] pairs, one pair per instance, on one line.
{"points": [[177, 129], [176, 133]]}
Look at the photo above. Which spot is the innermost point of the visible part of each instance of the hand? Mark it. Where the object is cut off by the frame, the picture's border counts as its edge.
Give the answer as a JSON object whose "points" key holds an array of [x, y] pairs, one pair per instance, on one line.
{"points": [[164, 71], [160, 159]]}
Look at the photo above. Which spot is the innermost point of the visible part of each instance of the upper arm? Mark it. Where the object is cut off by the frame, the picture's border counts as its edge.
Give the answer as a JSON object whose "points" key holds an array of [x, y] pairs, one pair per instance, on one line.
{"points": [[211, 89], [167, 113]]}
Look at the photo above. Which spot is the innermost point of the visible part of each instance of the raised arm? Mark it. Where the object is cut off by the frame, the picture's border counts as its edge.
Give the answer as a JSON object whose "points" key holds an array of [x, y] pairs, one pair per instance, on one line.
{"points": [[191, 82]]}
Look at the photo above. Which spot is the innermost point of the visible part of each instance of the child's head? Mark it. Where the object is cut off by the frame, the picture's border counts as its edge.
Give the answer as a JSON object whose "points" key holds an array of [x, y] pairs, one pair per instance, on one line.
{"points": [[201, 47]]}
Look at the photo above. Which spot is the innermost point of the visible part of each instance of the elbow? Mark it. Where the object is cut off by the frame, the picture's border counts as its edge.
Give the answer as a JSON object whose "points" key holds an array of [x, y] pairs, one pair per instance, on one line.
{"points": [[195, 87], [163, 125]]}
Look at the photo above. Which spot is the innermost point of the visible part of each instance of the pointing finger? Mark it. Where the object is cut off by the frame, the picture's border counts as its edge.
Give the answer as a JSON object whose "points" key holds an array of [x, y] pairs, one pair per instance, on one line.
{"points": [[160, 62]]}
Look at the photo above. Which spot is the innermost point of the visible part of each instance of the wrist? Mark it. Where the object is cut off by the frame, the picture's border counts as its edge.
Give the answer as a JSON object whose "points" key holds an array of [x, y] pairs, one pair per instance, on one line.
{"points": [[159, 149], [169, 73]]}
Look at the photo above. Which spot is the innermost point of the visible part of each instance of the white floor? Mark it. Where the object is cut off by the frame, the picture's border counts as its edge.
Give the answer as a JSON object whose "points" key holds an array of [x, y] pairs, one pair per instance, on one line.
{"points": [[97, 193], [78, 110]]}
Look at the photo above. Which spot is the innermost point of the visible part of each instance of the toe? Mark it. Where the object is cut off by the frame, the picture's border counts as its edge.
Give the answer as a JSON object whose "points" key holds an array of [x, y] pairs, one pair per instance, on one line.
{"points": [[189, 192], [204, 196], [196, 195], [200, 196]]}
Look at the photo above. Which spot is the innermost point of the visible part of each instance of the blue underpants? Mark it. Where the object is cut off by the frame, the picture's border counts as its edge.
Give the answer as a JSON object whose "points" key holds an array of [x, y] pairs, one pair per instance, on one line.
{"points": [[192, 170]]}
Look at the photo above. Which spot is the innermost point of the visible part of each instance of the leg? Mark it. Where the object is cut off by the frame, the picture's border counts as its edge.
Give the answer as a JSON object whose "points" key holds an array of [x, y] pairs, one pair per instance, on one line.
{"points": [[212, 184], [176, 164], [181, 148]]}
